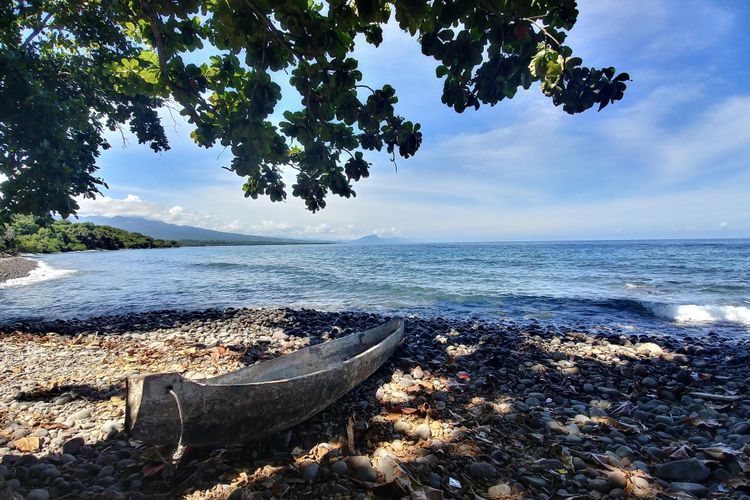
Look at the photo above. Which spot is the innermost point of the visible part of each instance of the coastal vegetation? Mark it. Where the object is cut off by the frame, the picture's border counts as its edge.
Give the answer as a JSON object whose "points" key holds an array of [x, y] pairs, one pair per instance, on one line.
{"points": [[71, 70], [27, 235]]}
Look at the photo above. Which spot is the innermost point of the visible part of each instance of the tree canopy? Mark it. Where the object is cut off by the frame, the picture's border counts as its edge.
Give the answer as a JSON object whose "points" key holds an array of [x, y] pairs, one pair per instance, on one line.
{"points": [[70, 69], [24, 234]]}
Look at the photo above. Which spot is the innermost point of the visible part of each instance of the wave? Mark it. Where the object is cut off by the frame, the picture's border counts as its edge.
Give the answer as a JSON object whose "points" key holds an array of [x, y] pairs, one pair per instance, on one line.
{"points": [[631, 286], [43, 272], [693, 313]]}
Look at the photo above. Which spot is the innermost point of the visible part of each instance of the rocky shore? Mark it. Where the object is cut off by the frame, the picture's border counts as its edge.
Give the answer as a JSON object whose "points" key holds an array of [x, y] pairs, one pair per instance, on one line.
{"points": [[464, 409], [15, 267]]}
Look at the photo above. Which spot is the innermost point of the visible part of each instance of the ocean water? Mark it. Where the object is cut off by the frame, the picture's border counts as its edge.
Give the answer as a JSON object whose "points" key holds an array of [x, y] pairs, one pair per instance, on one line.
{"points": [[677, 287]]}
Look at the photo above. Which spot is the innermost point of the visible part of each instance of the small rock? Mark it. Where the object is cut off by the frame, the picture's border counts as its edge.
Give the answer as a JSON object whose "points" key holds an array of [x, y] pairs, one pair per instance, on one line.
{"points": [[72, 446], [417, 372], [423, 431], [110, 429], [482, 470], [599, 485], [499, 491], [690, 470], [38, 494], [80, 415], [625, 451], [50, 472], [649, 349], [310, 470], [362, 468], [695, 489], [650, 382], [106, 471], [388, 467], [616, 479], [402, 427], [339, 468]]}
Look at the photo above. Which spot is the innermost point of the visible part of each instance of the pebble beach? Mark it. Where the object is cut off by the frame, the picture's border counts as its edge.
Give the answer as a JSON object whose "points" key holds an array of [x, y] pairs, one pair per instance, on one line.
{"points": [[464, 409], [15, 267]]}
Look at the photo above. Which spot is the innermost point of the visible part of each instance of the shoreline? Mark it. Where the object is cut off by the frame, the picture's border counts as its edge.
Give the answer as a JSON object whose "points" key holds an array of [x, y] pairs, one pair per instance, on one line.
{"points": [[12, 268], [462, 408]]}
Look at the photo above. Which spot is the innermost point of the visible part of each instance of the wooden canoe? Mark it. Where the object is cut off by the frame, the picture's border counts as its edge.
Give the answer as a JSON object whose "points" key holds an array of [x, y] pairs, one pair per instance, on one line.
{"points": [[258, 400]]}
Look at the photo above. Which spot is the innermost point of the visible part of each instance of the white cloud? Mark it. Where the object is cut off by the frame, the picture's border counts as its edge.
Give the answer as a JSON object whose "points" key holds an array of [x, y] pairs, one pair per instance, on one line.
{"points": [[133, 206]]}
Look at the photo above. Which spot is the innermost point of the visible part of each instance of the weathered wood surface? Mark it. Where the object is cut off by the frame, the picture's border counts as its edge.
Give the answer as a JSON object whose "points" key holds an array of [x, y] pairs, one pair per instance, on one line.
{"points": [[257, 400]]}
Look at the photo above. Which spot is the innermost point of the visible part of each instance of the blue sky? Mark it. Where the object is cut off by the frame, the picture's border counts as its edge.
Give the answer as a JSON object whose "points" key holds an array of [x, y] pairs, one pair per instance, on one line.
{"points": [[672, 160]]}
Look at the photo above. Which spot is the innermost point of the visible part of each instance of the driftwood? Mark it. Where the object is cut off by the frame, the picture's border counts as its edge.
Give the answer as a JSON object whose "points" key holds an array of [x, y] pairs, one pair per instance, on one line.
{"points": [[257, 400]]}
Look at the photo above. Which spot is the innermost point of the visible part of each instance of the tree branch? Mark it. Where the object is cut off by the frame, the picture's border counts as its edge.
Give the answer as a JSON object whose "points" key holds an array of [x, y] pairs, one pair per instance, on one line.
{"points": [[156, 31], [543, 30], [273, 30], [363, 86], [37, 30]]}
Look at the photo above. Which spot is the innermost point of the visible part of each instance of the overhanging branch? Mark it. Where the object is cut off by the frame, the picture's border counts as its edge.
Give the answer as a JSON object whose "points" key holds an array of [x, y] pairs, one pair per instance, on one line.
{"points": [[156, 30]]}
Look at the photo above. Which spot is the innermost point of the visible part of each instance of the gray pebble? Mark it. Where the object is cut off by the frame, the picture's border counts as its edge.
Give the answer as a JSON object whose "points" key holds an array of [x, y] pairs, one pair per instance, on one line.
{"points": [[690, 470], [339, 468], [38, 494], [482, 470], [362, 468], [695, 489], [72, 446], [310, 470], [617, 479], [599, 485]]}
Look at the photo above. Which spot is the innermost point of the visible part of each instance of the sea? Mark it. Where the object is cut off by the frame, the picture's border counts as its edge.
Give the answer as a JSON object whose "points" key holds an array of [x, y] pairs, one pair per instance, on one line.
{"points": [[685, 287]]}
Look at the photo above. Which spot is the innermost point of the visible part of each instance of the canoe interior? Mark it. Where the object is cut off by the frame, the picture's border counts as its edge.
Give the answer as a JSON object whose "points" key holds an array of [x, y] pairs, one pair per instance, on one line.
{"points": [[308, 360], [257, 400]]}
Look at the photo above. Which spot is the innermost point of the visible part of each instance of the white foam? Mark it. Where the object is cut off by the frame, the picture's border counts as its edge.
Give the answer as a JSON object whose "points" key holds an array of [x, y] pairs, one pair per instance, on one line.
{"points": [[692, 313], [632, 285], [42, 272]]}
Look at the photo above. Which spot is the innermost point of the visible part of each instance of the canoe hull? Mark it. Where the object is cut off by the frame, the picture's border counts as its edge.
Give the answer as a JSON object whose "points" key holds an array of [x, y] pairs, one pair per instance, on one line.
{"points": [[253, 402]]}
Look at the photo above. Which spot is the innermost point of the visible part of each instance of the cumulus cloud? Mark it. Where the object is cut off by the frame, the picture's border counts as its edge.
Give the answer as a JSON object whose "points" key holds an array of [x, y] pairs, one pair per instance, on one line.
{"points": [[133, 206]]}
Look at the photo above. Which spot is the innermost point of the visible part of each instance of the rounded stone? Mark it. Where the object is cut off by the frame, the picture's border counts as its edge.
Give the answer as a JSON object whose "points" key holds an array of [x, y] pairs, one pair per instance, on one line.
{"points": [[38, 494], [690, 470], [601, 485], [339, 468], [617, 479], [482, 470], [362, 468], [423, 431], [402, 427], [310, 470], [71, 446]]}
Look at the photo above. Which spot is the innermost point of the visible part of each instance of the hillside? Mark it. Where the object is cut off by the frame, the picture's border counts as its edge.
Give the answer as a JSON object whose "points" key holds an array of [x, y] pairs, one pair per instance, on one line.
{"points": [[25, 235], [188, 235]]}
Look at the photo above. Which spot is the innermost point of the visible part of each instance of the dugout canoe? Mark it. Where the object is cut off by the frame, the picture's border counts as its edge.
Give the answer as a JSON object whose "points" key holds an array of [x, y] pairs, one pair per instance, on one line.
{"points": [[258, 400]]}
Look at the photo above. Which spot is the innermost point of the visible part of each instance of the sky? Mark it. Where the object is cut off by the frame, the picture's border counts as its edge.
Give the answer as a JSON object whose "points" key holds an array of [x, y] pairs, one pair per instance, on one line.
{"points": [[671, 160]]}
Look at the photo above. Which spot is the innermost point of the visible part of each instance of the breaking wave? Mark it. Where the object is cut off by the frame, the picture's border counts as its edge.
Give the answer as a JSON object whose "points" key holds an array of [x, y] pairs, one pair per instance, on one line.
{"points": [[693, 313], [43, 272]]}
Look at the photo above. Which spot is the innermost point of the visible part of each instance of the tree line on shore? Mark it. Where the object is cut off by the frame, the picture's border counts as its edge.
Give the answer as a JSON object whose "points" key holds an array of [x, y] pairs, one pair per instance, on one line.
{"points": [[26, 234]]}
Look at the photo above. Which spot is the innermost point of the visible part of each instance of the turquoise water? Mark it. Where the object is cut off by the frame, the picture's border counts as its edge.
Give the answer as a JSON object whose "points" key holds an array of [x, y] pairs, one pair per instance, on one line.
{"points": [[675, 286]]}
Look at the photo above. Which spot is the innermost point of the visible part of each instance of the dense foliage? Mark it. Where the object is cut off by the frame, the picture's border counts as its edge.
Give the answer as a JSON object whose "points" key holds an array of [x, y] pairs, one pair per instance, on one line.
{"points": [[26, 235], [70, 68]]}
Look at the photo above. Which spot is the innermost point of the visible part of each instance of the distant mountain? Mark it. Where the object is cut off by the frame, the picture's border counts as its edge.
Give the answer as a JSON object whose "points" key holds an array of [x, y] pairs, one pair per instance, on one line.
{"points": [[374, 239], [187, 235]]}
